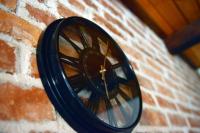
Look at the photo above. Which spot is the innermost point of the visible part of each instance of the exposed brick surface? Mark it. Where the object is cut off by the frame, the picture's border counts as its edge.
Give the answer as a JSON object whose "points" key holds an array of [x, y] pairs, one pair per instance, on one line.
{"points": [[41, 1], [194, 122], [154, 64], [103, 21], [117, 22], [77, 4], [184, 108], [166, 104], [9, 3], [153, 118], [177, 131], [134, 53], [177, 120], [91, 4], [34, 68], [170, 88], [105, 3], [40, 15], [163, 90], [147, 98], [18, 28], [31, 104], [65, 12], [145, 82], [152, 74], [7, 57]]}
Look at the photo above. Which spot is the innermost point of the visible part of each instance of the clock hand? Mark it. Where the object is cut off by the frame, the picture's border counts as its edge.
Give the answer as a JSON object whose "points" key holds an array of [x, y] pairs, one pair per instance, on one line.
{"points": [[103, 70]]}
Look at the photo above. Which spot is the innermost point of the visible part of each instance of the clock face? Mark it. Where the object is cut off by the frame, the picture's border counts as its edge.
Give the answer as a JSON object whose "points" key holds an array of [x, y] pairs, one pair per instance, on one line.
{"points": [[88, 78], [99, 74]]}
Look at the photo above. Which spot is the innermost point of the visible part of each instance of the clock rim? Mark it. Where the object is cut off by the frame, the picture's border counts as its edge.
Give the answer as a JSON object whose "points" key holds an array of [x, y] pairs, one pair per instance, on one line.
{"points": [[47, 76]]}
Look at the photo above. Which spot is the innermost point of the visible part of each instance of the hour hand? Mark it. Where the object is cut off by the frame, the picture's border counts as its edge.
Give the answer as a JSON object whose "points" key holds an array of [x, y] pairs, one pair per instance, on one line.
{"points": [[102, 71]]}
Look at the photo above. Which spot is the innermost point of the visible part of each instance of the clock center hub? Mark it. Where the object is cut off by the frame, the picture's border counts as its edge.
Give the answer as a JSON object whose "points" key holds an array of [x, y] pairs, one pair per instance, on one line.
{"points": [[98, 71]]}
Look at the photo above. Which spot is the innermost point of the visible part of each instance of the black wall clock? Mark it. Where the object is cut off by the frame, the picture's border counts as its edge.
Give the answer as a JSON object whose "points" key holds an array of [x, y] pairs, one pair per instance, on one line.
{"points": [[88, 78]]}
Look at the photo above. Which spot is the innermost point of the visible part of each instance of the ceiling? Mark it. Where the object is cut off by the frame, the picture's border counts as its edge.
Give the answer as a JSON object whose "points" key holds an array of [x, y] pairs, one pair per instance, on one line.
{"points": [[177, 22]]}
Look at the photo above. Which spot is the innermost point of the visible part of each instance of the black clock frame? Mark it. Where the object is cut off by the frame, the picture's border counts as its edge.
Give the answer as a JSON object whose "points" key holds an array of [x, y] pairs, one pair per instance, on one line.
{"points": [[57, 86]]}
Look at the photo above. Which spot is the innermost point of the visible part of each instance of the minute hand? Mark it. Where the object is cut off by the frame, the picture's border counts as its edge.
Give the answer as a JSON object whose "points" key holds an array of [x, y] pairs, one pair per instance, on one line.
{"points": [[103, 70]]}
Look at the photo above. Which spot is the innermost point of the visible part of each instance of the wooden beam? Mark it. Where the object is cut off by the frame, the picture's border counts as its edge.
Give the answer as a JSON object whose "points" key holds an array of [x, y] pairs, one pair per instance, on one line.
{"points": [[147, 13], [185, 38]]}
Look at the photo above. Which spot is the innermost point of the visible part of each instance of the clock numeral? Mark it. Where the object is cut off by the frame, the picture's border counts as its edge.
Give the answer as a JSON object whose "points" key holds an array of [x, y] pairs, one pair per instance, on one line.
{"points": [[110, 113], [78, 50], [93, 103], [69, 60]]}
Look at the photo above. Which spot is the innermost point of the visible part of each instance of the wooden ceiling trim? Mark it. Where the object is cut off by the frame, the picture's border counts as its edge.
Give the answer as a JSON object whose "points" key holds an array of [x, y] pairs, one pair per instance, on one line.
{"points": [[155, 16], [169, 11], [192, 54], [198, 3], [185, 38], [179, 8], [189, 8]]}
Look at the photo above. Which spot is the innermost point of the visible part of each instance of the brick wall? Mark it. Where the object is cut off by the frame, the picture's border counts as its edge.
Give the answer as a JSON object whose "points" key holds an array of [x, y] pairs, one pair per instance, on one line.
{"points": [[170, 88]]}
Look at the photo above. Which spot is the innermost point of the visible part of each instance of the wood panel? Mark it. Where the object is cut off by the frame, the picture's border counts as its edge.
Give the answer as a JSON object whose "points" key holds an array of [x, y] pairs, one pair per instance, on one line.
{"points": [[169, 11], [193, 55], [189, 8], [185, 38], [155, 16]]}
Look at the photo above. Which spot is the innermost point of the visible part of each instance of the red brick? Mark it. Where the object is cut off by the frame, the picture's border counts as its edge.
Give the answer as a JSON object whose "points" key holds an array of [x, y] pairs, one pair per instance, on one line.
{"points": [[64, 11], [40, 15], [171, 83], [177, 120], [134, 53], [163, 90], [194, 122], [33, 131], [196, 112], [31, 104], [153, 118], [135, 28], [91, 4], [166, 104], [152, 74], [108, 25], [146, 83], [147, 98], [174, 76], [193, 131], [147, 50], [19, 28], [134, 65], [105, 4], [153, 64], [77, 4], [34, 68], [117, 22], [41, 1], [184, 109], [9, 3], [176, 131], [7, 57], [182, 98]]}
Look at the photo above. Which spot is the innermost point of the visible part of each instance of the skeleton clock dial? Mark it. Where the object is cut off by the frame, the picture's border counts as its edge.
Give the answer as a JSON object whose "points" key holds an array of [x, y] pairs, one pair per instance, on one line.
{"points": [[88, 77]]}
